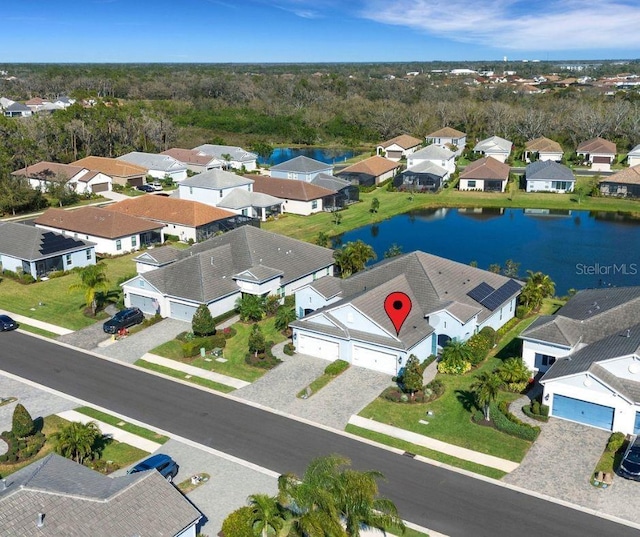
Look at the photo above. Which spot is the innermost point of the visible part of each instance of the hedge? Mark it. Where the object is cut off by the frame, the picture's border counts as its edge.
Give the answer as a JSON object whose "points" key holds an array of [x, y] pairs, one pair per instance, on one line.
{"points": [[289, 349], [479, 345], [507, 423], [192, 347], [21, 449], [239, 523], [335, 368]]}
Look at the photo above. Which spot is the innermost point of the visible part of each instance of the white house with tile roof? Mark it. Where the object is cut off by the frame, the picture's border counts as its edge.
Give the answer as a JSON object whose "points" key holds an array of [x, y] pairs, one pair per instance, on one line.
{"points": [[230, 155], [543, 149], [300, 168], [399, 147], [158, 166], [450, 138], [346, 318], [633, 157], [438, 155], [598, 152], [495, 147], [589, 352], [549, 176]]}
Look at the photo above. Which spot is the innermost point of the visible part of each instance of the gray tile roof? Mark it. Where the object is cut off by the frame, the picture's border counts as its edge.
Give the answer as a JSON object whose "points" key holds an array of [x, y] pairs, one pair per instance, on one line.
{"points": [[239, 199], [494, 143], [205, 271], [330, 182], [258, 274], [427, 167], [217, 179], [432, 152], [237, 153], [77, 502], [302, 164], [635, 152], [558, 330], [548, 170], [152, 161], [159, 256], [30, 243]]}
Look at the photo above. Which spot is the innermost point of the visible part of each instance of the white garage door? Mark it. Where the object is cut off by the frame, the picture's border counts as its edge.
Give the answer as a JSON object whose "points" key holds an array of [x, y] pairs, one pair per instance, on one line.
{"points": [[145, 303], [376, 360], [182, 312], [320, 348]]}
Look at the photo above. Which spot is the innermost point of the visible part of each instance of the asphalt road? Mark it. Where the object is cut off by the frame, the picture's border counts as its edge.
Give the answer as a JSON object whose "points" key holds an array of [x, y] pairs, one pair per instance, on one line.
{"points": [[433, 497]]}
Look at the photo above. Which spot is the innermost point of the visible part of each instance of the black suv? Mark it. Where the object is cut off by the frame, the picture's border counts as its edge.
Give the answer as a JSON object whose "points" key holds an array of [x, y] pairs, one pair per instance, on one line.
{"points": [[630, 464], [167, 467], [123, 319]]}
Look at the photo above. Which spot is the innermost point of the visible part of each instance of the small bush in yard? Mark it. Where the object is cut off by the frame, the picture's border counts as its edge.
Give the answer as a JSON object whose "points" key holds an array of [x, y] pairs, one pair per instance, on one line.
{"points": [[289, 349], [335, 368], [490, 334], [202, 322], [507, 423], [239, 523], [22, 422], [615, 442], [480, 345]]}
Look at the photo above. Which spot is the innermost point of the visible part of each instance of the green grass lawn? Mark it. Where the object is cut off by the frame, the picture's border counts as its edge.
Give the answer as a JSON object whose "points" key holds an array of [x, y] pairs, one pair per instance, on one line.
{"points": [[234, 352], [60, 306], [38, 331], [129, 427], [451, 419], [205, 383]]}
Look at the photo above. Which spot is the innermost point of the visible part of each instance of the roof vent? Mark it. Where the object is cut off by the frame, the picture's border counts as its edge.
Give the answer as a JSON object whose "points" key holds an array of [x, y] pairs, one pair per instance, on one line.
{"points": [[40, 521], [211, 260], [628, 333]]}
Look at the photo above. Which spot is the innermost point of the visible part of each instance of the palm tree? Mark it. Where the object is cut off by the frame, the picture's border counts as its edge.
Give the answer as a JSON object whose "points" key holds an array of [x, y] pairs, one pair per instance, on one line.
{"points": [[227, 160], [268, 517], [353, 257], [538, 287], [456, 355], [486, 388], [250, 307], [514, 370], [284, 316], [78, 440], [93, 279]]}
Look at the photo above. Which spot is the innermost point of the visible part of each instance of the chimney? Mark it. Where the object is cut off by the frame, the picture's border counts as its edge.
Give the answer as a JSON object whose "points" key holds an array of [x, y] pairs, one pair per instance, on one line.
{"points": [[40, 521]]}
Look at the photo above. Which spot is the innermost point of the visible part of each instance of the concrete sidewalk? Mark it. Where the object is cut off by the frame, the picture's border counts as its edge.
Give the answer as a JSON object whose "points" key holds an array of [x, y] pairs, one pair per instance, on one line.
{"points": [[436, 445], [116, 433], [38, 324], [195, 371]]}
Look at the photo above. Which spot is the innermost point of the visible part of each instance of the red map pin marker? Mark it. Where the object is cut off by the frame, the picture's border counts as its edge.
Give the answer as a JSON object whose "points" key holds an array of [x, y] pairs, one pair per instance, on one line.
{"points": [[398, 306]]}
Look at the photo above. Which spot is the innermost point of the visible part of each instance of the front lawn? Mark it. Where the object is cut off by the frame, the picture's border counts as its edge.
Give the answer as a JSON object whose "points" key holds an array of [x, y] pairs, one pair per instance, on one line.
{"points": [[51, 301], [234, 352]]}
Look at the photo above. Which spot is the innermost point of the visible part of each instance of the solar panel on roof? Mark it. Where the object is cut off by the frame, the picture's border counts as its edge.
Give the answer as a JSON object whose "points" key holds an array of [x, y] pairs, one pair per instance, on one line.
{"points": [[53, 242], [480, 292], [500, 295]]}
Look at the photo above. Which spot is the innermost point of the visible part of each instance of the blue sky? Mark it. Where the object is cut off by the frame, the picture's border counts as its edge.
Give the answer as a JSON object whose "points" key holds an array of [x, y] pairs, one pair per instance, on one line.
{"points": [[317, 30]]}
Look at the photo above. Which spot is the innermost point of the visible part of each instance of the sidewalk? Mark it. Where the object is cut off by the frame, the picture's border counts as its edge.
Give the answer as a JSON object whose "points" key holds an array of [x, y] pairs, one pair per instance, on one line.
{"points": [[194, 371], [436, 445], [38, 324], [115, 433]]}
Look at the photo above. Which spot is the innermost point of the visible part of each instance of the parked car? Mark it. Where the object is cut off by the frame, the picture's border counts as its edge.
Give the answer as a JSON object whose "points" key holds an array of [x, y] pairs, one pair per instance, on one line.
{"points": [[7, 323], [630, 463], [146, 188], [123, 319], [157, 186], [164, 464]]}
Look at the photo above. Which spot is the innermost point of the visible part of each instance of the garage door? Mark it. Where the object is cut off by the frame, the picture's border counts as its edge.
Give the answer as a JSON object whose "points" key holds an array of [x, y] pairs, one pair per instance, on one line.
{"points": [[636, 425], [100, 187], [583, 412], [145, 303], [320, 348], [376, 360], [182, 312]]}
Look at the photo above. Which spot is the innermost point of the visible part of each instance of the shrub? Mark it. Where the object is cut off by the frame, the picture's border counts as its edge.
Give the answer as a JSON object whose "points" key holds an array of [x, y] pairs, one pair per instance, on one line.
{"points": [[271, 304], [615, 442], [454, 368], [335, 368], [528, 411], [427, 362], [522, 312], [480, 345], [21, 449], [239, 523], [257, 342], [506, 327], [264, 360], [202, 322], [289, 349], [490, 334], [22, 423], [507, 423], [192, 346], [437, 387]]}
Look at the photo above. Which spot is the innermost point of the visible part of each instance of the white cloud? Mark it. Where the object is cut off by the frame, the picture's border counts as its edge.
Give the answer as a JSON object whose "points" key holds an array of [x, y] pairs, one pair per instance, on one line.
{"points": [[515, 24]]}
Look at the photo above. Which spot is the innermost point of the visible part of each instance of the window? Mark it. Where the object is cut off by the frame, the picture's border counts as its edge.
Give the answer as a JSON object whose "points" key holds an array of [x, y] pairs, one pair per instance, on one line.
{"points": [[68, 258], [220, 193], [561, 185], [471, 184], [134, 241], [88, 254], [118, 245], [190, 190], [292, 175], [545, 360], [314, 204]]}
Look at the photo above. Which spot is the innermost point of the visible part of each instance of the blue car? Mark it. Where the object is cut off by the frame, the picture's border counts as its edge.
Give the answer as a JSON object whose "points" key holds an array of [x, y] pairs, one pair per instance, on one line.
{"points": [[630, 464], [7, 323], [164, 464]]}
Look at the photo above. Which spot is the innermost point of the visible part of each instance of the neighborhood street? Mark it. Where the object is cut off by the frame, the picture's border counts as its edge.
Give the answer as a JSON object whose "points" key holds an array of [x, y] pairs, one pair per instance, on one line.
{"points": [[434, 497]]}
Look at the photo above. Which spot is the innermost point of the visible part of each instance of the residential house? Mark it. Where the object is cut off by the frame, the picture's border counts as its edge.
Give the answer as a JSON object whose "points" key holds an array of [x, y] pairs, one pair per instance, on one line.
{"points": [[37, 105], [43, 174], [55, 496], [399, 147], [185, 219], [38, 252], [624, 184], [346, 318], [441, 156], [121, 172], [300, 168], [196, 161], [633, 157], [299, 197], [423, 177], [370, 171], [495, 147], [549, 176], [345, 192], [543, 149], [589, 352], [158, 166], [487, 174], [112, 232], [450, 138], [599, 153], [229, 191], [63, 101], [217, 272], [231, 156], [14, 109]]}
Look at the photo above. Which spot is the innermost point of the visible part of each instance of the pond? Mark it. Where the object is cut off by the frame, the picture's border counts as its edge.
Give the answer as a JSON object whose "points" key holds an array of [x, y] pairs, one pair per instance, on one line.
{"points": [[578, 249], [330, 156]]}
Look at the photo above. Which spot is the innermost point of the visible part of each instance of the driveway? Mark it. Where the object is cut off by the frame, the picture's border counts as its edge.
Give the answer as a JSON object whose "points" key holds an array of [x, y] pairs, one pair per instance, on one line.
{"points": [[332, 406], [560, 464]]}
